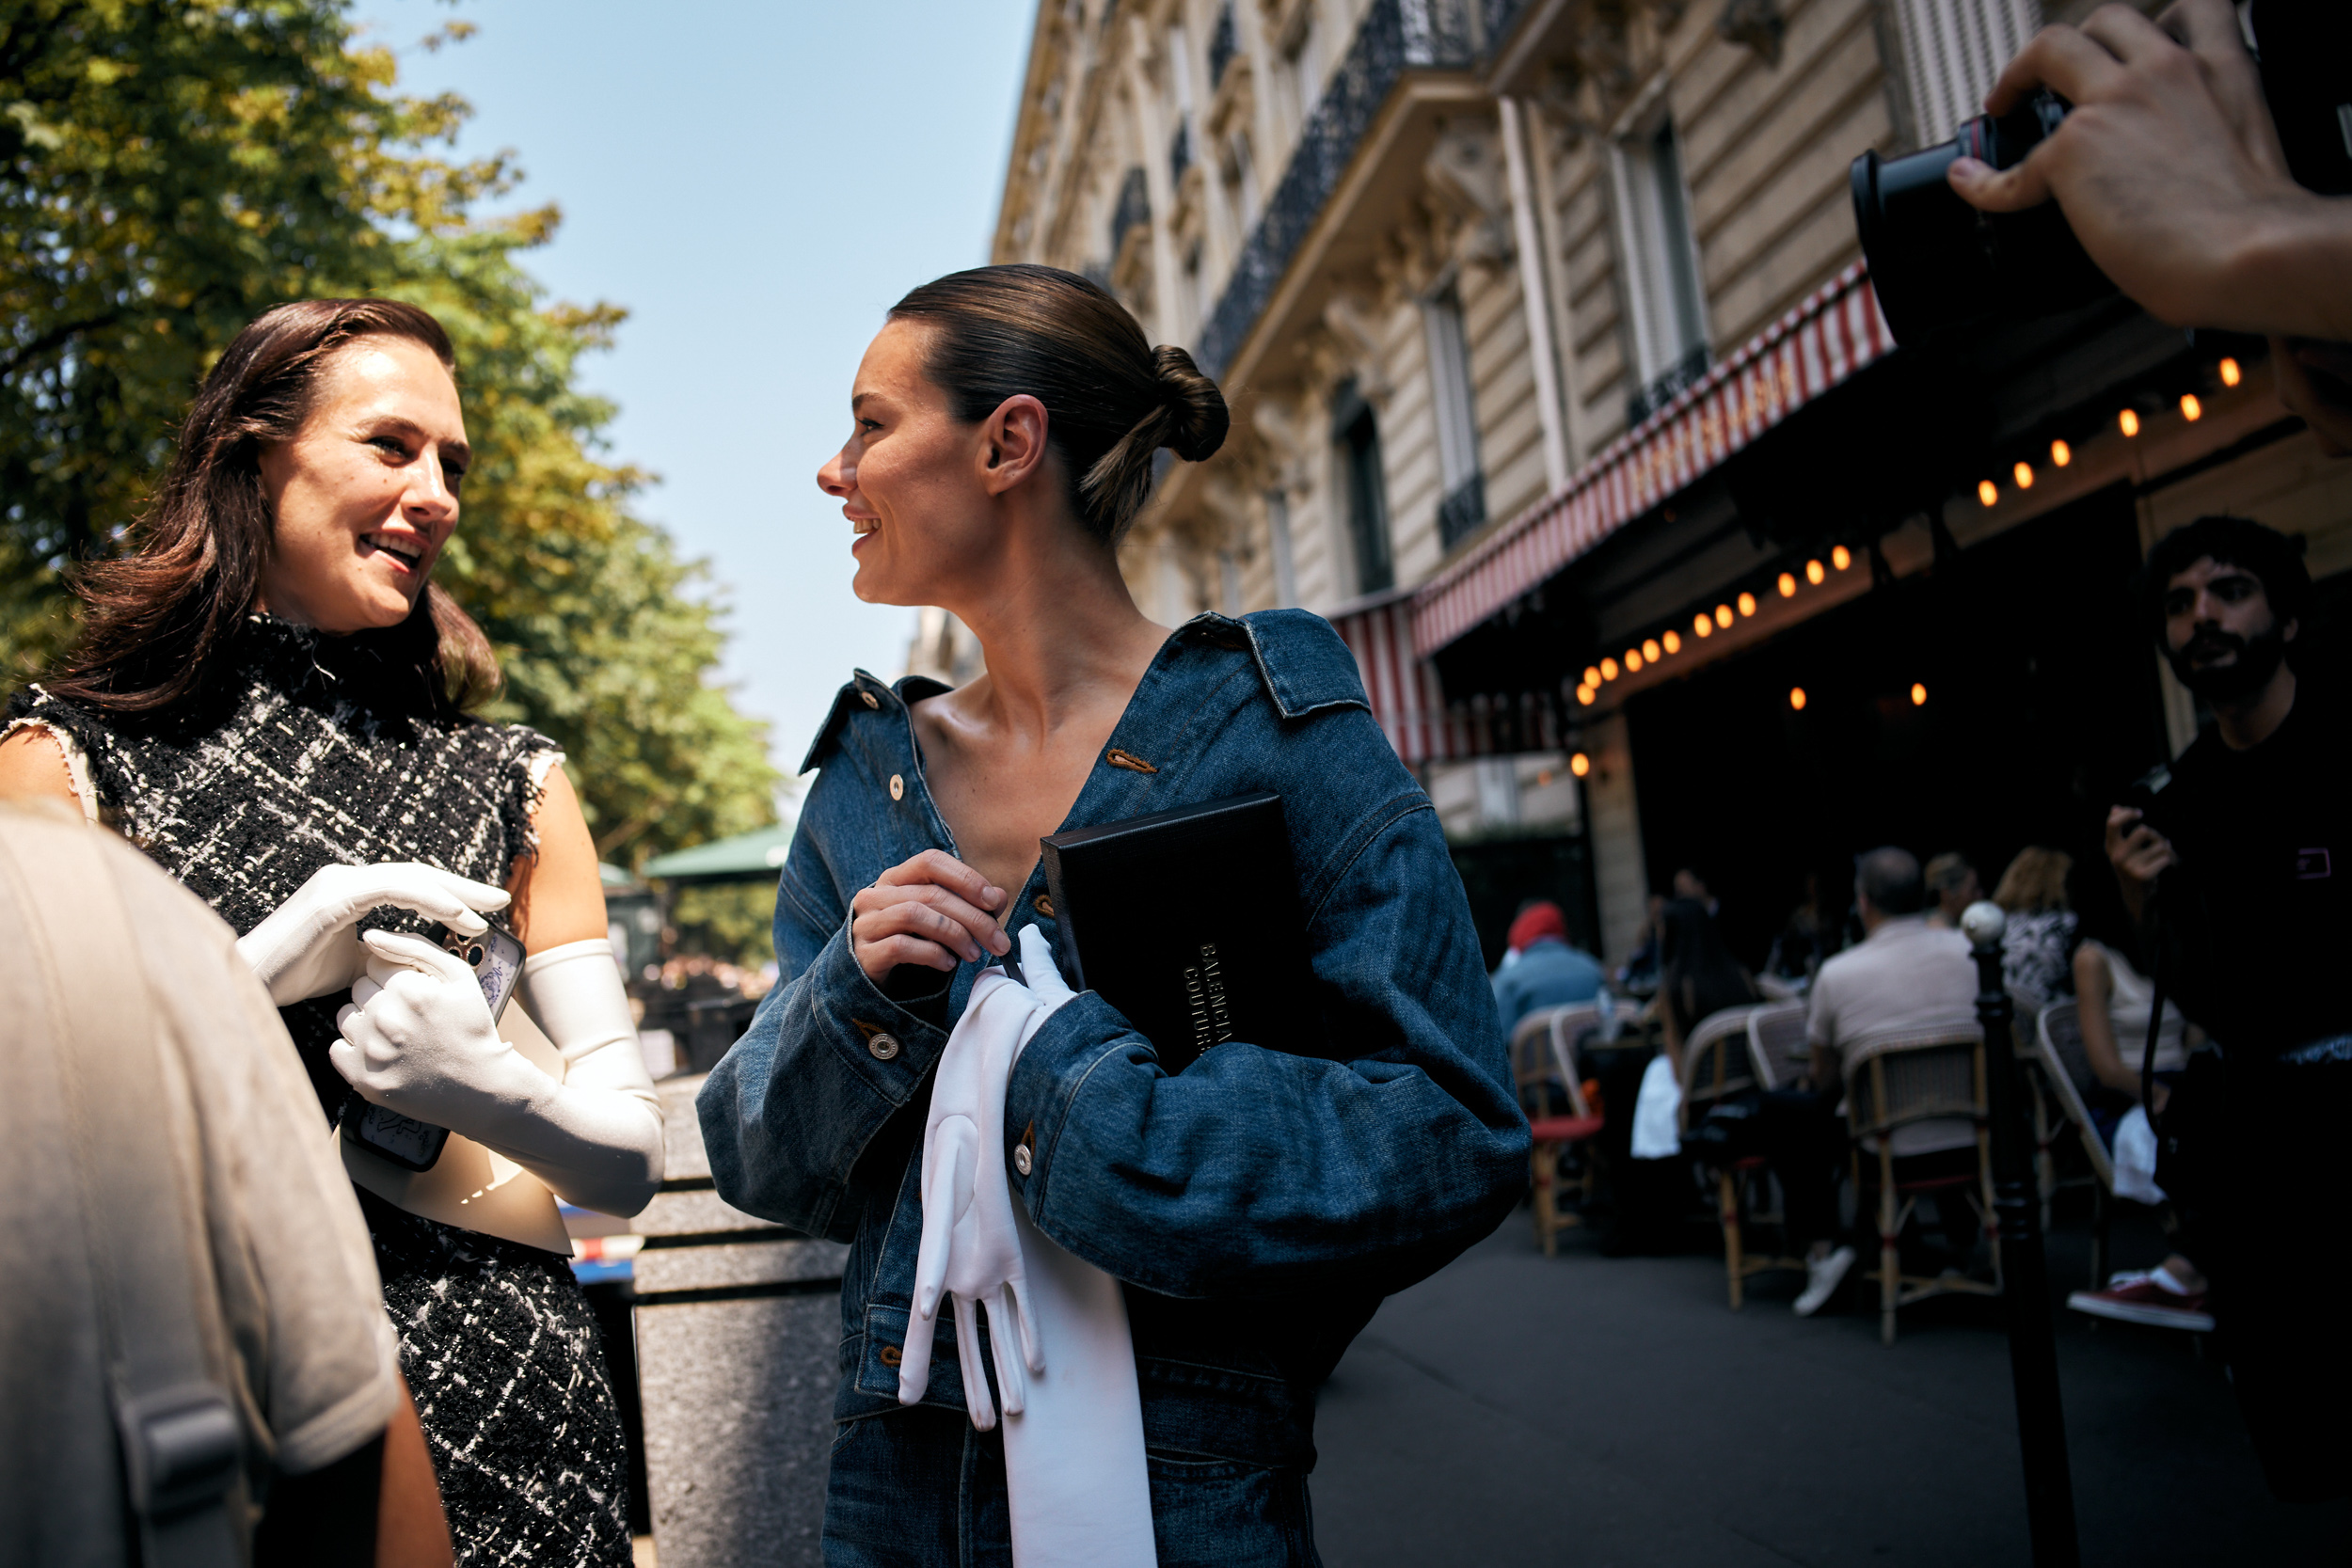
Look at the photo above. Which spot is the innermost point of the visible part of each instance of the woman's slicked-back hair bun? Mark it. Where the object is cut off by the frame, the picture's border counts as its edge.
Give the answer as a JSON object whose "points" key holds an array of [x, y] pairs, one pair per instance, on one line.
{"points": [[1111, 399]]}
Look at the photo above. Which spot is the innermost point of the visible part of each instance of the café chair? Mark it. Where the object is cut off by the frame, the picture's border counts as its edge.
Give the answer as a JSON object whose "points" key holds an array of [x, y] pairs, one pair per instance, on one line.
{"points": [[1543, 1070], [1893, 1084], [1716, 1064]]}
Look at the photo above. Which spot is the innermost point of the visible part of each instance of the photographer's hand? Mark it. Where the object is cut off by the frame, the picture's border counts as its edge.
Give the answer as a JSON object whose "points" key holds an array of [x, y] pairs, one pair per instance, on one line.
{"points": [[2169, 171], [2139, 854]]}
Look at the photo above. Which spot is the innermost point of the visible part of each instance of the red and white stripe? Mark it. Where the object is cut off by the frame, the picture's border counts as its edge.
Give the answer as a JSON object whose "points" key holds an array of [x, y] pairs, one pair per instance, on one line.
{"points": [[1412, 708], [1836, 331]]}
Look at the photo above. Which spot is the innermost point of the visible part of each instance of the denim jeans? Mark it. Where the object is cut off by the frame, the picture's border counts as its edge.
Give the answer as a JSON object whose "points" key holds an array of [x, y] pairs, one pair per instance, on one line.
{"points": [[920, 1488]]}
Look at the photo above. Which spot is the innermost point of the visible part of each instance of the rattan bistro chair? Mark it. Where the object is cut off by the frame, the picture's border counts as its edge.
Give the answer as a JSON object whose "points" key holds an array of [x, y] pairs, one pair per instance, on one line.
{"points": [[2064, 1069], [1900, 1081], [1717, 1063], [1777, 1044], [1541, 1070]]}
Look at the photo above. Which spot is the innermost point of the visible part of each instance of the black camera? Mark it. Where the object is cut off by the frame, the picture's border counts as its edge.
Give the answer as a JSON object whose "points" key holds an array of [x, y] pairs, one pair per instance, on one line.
{"points": [[1935, 261]]}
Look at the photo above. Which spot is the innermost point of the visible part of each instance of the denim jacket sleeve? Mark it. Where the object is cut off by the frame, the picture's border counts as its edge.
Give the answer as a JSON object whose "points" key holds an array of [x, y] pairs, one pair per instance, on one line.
{"points": [[1257, 1172], [789, 1110]]}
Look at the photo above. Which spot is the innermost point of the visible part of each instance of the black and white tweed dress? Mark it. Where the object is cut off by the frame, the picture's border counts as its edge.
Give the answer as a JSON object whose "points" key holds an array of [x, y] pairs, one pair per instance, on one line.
{"points": [[293, 759]]}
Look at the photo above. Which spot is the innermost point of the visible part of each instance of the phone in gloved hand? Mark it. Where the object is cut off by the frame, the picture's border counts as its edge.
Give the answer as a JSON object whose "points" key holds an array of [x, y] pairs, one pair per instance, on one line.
{"points": [[497, 959]]}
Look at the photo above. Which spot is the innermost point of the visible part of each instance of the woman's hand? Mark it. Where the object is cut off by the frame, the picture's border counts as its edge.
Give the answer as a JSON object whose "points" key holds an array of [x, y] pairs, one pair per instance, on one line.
{"points": [[931, 910], [310, 944], [418, 1038]]}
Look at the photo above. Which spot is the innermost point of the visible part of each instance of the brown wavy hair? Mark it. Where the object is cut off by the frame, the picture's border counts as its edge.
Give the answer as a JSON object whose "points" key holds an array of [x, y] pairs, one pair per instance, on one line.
{"points": [[154, 619], [1111, 399]]}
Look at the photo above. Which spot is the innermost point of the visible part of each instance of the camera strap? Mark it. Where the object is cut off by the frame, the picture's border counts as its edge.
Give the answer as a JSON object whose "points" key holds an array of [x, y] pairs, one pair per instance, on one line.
{"points": [[163, 1345]]}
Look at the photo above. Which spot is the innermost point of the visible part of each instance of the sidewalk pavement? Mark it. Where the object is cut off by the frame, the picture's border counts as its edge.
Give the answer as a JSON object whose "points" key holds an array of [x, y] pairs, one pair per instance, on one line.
{"points": [[1614, 1413]]}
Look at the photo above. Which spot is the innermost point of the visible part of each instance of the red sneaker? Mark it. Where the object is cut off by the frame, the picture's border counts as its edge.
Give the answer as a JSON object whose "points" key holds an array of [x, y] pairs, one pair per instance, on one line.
{"points": [[2137, 1298]]}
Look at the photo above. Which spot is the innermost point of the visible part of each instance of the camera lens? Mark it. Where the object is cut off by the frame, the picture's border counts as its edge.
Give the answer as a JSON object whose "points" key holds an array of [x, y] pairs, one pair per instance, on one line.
{"points": [[1935, 261], [475, 953]]}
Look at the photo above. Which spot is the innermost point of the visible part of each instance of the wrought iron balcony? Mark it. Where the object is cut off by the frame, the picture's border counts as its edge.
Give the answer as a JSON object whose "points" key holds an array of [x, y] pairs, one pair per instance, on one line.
{"points": [[1222, 43], [1395, 37], [1135, 207], [1684, 372], [1462, 510]]}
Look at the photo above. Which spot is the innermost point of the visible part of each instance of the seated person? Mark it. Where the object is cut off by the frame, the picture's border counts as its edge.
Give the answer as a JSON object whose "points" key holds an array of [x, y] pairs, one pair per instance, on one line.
{"points": [[1547, 972], [1697, 974], [2038, 943], [1905, 976], [1952, 886], [2115, 999]]}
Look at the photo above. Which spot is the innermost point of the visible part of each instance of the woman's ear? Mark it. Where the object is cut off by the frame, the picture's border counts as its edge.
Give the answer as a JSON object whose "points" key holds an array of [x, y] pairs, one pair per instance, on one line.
{"points": [[1012, 445]]}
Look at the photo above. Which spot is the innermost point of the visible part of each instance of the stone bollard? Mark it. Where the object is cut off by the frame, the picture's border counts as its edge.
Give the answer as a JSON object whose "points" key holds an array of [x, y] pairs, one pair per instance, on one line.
{"points": [[738, 1334]]}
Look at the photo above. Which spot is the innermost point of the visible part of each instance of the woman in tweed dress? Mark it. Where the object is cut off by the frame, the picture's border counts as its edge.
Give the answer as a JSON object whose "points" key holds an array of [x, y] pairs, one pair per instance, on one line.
{"points": [[270, 698]]}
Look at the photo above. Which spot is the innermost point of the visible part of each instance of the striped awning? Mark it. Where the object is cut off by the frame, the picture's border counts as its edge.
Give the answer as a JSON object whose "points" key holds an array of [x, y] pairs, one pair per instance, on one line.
{"points": [[1414, 713], [1836, 332]]}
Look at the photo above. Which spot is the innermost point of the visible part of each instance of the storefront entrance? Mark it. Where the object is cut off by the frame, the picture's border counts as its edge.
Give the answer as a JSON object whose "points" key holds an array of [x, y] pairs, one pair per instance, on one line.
{"points": [[1996, 702]]}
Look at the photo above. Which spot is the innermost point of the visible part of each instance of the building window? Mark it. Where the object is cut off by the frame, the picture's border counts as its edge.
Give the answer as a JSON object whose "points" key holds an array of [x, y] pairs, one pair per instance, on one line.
{"points": [[1241, 181], [1953, 51], [1278, 519], [1463, 506], [1357, 435], [1665, 309], [1302, 70]]}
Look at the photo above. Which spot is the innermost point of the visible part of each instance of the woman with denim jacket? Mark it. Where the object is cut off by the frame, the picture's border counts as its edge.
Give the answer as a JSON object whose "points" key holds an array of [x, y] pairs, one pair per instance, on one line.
{"points": [[1257, 1207]]}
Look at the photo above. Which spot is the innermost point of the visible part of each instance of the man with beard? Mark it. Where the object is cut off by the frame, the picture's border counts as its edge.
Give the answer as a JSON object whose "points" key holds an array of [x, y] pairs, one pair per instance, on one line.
{"points": [[2232, 878]]}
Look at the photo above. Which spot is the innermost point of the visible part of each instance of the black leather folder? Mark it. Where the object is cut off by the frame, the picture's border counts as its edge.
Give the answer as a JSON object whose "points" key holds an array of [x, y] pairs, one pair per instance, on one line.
{"points": [[1187, 922]]}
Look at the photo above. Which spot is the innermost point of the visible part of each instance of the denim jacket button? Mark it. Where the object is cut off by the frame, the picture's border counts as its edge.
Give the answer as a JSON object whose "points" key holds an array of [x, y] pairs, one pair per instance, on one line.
{"points": [[871, 701], [885, 1047], [1021, 1160], [1044, 906], [897, 787]]}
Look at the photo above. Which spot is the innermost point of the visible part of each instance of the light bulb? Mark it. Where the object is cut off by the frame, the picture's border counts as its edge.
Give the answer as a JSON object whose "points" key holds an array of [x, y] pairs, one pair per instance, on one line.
{"points": [[1841, 558], [2024, 475], [1632, 659], [1649, 651], [2191, 409], [1608, 669], [1918, 695], [1815, 572], [1592, 676], [1673, 640], [2230, 372], [1723, 616], [2061, 453], [1788, 586], [1704, 626], [1987, 491], [1795, 698], [1584, 694], [1579, 765], [2129, 421], [1747, 604]]}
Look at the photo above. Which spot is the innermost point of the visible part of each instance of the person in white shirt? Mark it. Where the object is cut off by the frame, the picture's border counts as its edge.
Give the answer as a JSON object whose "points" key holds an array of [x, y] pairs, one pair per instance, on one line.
{"points": [[1905, 976]]}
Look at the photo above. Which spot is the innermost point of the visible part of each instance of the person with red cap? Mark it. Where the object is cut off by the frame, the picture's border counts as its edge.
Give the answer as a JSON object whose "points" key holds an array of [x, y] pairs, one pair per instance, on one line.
{"points": [[1542, 970]]}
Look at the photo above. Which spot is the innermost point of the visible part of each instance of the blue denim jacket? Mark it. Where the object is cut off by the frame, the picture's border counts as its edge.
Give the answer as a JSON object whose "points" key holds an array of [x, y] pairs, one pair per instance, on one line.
{"points": [[1258, 1206]]}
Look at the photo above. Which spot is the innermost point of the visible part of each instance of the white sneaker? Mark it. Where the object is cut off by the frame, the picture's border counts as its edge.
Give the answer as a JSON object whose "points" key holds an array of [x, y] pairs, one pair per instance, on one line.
{"points": [[1823, 1275]]}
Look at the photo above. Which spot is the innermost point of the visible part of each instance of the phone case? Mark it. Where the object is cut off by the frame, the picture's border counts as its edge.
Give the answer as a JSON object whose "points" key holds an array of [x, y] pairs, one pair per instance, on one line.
{"points": [[497, 960]]}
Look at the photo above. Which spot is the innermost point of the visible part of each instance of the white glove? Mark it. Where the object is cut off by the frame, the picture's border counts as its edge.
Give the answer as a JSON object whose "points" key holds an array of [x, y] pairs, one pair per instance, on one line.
{"points": [[971, 1249], [310, 944], [419, 1039]]}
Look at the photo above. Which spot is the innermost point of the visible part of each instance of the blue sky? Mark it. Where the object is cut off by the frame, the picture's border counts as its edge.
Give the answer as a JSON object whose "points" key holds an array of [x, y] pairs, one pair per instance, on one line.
{"points": [[757, 183]]}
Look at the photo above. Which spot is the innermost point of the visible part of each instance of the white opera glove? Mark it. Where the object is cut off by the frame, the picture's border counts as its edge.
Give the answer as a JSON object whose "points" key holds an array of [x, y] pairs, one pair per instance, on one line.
{"points": [[310, 944], [971, 1247], [419, 1040]]}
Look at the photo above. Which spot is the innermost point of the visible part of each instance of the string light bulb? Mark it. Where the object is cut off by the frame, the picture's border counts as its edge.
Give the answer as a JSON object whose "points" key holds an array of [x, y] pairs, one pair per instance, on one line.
{"points": [[1988, 492], [2191, 409], [1579, 765], [2231, 375], [1672, 640], [1815, 572], [2128, 421], [1649, 651], [2061, 453], [1592, 676], [1788, 586], [1918, 695], [1632, 659], [1841, 558], [1584, 694], [1795, 698], [1747, 604], [1703, 624], [1723, 616], [1608, 669], [2023, 473]]}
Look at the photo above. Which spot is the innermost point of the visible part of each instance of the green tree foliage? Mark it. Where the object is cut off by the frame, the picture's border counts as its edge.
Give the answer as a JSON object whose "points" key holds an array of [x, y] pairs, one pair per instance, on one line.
{"points": [[168, 171]]}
